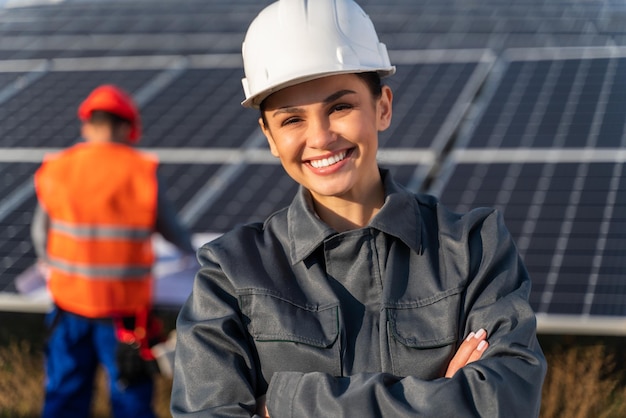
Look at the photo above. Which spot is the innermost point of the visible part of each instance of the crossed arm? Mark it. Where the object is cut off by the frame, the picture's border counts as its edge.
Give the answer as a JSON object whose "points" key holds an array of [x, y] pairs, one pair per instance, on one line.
{"points": [[471, 349]]}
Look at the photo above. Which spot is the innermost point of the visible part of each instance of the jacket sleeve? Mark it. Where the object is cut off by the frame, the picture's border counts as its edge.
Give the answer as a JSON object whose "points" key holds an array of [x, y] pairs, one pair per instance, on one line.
{"points": [[506, 381], [39, 231], [214, 370], [168, 223]]}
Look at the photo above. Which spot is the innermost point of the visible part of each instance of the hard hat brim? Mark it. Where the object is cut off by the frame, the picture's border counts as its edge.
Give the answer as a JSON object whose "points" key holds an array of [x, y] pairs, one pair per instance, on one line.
{"points": [[254, 101]]}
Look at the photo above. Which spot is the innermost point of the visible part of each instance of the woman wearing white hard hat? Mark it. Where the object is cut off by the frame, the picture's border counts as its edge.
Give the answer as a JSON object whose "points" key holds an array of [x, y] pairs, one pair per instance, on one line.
{"points": [[361, 299]]}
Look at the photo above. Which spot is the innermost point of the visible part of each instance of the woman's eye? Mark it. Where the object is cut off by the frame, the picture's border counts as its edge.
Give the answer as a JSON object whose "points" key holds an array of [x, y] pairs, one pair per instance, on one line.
{"points": [[341, 106], [290, 121]]}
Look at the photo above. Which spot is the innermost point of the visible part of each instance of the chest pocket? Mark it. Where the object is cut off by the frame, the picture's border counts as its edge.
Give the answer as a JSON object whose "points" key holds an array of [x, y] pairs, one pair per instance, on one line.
{"points": [[290, 337], [422, 337]]}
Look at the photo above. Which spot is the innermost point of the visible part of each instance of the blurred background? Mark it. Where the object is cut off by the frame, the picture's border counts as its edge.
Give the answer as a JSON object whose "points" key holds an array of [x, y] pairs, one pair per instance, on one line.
{"points": [[519, 105]]}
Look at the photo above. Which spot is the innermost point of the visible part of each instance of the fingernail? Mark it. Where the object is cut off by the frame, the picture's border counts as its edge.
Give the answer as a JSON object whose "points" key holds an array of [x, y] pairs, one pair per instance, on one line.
{"points": [[480, 333], [470, 336], [482, 345]]}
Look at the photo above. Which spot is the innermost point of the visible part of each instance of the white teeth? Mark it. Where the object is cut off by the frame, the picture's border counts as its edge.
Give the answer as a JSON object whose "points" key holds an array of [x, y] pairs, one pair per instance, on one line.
{"points": [[326, 162]]}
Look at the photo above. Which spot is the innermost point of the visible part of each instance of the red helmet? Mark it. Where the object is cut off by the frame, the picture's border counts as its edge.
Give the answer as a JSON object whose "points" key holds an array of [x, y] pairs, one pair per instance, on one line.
{"points": [[112, 99]]}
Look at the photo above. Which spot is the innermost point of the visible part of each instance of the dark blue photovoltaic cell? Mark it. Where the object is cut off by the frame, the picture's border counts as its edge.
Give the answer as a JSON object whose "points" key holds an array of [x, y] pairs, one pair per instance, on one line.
{"points": [[569, 221], [556, 104], [201, 108], [182, 181], [15, 245], [424, 95], [7, 78], [44, 113]]}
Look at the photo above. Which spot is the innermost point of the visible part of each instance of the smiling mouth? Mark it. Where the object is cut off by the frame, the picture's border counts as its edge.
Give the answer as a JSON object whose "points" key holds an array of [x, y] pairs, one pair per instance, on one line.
{"points": [[327, 162]]}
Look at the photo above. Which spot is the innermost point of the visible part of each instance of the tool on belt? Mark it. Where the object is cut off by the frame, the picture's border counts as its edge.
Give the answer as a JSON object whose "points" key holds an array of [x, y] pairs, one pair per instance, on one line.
{"points": [[135, 359]]}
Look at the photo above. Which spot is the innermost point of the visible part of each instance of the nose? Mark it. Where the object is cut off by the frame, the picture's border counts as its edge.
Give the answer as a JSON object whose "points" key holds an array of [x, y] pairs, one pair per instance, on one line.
{"points": [[320, 133]]}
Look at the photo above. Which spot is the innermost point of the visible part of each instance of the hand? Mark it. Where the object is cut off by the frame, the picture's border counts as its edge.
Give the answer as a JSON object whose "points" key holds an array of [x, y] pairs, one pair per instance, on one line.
{"points": [[470, 350], [42, 268], [261, 407]]}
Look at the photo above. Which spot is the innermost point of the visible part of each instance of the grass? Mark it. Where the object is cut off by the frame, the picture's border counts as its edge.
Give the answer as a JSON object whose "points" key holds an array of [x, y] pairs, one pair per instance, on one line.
{"points": [[22, 373], [585, 380], [585, 377], [21, 385]]}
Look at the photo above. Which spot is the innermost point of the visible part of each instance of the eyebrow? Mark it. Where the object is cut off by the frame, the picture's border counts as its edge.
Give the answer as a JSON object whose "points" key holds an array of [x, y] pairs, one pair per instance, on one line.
{"points": [[329, 99]]}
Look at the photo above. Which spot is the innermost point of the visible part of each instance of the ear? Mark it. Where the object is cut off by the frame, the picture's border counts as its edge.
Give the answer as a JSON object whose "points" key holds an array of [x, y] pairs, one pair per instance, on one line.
{"points": [[84, 130], [89, 132], [384, 108], [268, 136]]}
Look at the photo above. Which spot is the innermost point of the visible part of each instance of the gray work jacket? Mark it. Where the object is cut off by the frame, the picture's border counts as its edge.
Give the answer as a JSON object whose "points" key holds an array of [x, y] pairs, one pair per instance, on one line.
{"points": [[361, 323]]}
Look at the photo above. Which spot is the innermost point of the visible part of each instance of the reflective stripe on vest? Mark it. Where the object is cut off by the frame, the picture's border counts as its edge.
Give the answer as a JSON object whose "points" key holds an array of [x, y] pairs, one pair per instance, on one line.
{"points": [[100, 232], [101, 272]]}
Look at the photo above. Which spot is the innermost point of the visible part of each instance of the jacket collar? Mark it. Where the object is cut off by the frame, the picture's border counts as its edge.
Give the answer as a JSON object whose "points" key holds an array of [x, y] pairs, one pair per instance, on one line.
{"points": [[399, 217]]}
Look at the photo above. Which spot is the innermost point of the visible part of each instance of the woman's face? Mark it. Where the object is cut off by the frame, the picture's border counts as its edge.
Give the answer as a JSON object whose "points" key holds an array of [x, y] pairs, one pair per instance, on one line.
{"points": [[325, 133]]}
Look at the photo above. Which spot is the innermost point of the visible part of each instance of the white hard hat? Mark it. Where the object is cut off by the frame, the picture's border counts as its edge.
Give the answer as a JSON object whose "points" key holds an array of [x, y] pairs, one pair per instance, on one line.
{"points": [[292, 41]]}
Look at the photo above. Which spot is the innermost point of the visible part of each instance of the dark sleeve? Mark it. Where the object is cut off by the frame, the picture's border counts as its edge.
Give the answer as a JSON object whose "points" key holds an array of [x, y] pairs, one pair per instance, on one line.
{"points": [[39, 231], [505, 382], [168, 223], [214, 371]]}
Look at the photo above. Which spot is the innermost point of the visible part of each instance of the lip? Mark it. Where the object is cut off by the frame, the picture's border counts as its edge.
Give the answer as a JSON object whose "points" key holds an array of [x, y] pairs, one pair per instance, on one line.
{"points": [[333, 167]]}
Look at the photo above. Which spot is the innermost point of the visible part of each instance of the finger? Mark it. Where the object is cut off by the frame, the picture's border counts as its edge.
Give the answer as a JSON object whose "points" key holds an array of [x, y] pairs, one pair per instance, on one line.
{"points": [[461, 356], [467, 351], [471, 343], [478, 353], [480, 335]]}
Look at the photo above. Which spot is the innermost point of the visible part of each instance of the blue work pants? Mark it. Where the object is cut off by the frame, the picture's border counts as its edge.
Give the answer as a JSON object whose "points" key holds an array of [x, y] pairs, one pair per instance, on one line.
{"points": [[75, 347]]}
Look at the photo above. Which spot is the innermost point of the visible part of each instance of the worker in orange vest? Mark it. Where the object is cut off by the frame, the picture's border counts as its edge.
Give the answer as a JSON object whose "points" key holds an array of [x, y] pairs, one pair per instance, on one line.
{"points": [[99, 203]]}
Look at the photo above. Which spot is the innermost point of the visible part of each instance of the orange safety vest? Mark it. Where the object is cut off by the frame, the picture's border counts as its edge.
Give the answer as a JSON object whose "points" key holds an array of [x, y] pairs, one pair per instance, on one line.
{"points": [[102, 202]]}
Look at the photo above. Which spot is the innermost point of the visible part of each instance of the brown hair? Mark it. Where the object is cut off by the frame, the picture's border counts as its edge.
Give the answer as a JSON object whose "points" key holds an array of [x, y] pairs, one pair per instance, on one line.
{"points": [[100, 117]]}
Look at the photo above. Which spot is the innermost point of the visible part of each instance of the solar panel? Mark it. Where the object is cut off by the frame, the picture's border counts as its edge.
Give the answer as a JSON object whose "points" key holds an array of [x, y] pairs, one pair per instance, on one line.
{"points": [[44, 113], [255, 192], [7, 78], [568, 222], [568, 103], [519, 106], [200, 109], [182, 182], [424, 95], [16, 211], [545, 147]]}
